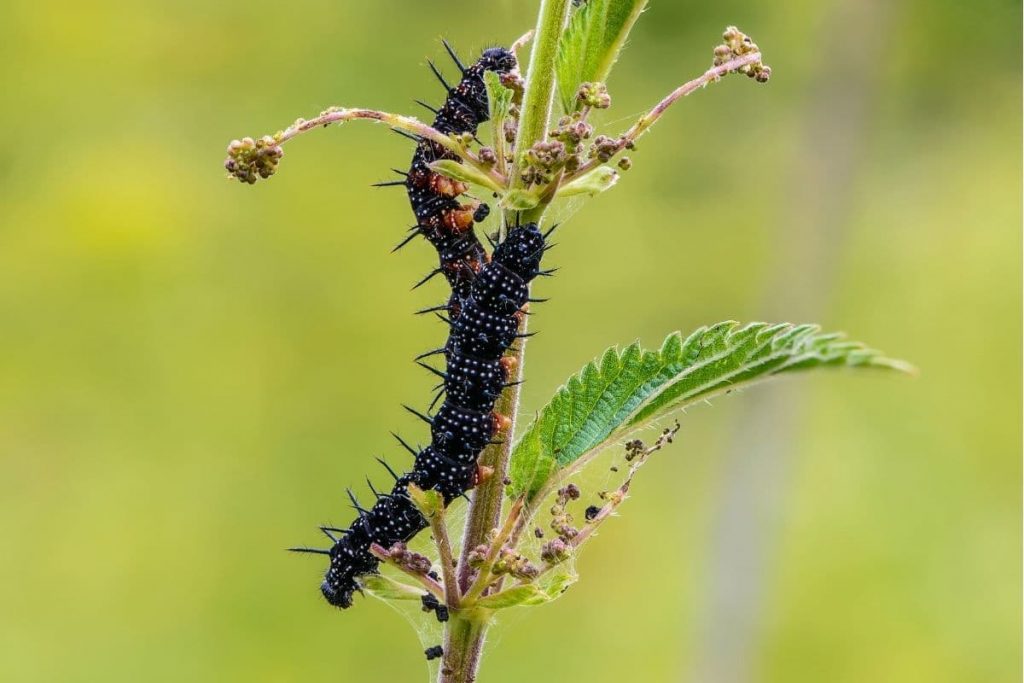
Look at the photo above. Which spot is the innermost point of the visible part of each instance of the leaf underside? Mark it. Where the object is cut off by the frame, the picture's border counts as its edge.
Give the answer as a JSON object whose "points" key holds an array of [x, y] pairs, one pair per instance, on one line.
{"points": [[498, 96], [630, 389], [591, 44]]}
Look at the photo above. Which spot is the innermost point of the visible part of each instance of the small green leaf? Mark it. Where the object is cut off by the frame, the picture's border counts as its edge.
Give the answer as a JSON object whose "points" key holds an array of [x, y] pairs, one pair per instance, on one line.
{"points": [[628, 390], [498, 96], [529, 593], [591, 44], [598, 180], [558, 584], [519, 200], [621, 16], [386, 588], [525, 594], [465, 173], [430, 502]]}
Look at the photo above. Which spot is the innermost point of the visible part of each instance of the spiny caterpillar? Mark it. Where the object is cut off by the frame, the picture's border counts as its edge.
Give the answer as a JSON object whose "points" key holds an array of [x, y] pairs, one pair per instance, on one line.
{"points": [[440, 218], [486, 307]]}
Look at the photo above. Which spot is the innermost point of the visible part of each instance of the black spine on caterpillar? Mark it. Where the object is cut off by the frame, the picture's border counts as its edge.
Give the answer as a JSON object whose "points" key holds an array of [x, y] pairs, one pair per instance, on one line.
{"points": [[464, 424], [445, 222]]}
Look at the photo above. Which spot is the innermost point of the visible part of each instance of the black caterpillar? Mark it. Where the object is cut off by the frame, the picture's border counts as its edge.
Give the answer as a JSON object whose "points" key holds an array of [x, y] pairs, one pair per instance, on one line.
{"points": [[486, 307], [440, 218]]}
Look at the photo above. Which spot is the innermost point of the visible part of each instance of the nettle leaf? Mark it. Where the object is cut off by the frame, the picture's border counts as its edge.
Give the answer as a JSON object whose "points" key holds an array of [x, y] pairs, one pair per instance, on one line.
{"points": [[591, 44], [528, 594], [630, 389], [600, 179], [517, 596], [386, 588], [430, 503], [498, 96], [467, 174], [519, 200]]}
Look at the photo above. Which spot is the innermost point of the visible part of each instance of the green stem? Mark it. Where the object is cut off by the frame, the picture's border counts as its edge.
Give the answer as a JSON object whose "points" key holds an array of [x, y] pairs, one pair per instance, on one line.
{"points": [[535, 116], [463, 644], [464, 638]]}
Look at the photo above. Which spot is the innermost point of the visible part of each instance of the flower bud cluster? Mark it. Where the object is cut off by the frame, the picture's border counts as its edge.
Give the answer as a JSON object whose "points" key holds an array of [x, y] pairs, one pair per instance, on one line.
{"points": [[512, 563], [737, 44], [555, 551], [561, 519], [248, 159], [408, 560], [594, 95], [544, 160], [566, 151]]}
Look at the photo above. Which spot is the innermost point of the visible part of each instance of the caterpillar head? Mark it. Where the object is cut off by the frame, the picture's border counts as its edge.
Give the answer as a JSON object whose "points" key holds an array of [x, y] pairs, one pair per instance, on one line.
{"points": [[498, 59], [339, 585]]}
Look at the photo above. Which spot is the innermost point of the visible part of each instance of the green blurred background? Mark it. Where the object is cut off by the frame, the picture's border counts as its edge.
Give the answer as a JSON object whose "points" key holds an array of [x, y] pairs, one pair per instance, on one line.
{"points": [[191, 370]]}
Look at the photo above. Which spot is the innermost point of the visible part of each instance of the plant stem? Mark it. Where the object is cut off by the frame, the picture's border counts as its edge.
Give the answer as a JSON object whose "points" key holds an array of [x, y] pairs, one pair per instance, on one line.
{"points": [[484, 575], [464, 637], [438, 527], [463, 645], [535, 116], [407, 123]]}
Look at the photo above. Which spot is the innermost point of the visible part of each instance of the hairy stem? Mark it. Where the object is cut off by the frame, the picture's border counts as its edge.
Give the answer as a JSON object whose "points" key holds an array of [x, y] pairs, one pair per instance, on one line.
{"points": [[403, 123], [464, 637], [484, 575], [439, 529], [535, 118], [463, 645]]}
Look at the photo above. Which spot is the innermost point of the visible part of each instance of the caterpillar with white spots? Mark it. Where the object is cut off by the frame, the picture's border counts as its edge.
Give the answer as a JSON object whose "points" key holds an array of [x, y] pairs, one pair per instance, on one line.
{"points": [[486, 306]]}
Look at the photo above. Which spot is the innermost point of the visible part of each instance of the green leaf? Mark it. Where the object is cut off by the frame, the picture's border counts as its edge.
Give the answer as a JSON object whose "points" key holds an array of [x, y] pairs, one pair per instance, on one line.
{"points": [[386, 588], [529, 593], [430, 502], [627, 390], [591, 44], [558, 584], [519, 200], [465, 173], [498, 96], [525, 594], [600, 179]]}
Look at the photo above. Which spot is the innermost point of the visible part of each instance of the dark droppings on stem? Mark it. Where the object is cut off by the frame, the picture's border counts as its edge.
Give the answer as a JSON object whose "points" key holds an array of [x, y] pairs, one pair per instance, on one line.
{"points": [[432, 604], [434, 652]]}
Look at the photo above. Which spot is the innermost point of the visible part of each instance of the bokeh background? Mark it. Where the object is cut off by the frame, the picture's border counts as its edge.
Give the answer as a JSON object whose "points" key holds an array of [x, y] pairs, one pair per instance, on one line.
{"points": [[192, 370]]}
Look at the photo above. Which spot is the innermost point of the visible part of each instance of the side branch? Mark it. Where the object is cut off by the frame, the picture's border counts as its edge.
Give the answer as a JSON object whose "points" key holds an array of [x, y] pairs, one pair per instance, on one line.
{"points": [[629, 138], [439, 529], [409, 564], [249, 159]]}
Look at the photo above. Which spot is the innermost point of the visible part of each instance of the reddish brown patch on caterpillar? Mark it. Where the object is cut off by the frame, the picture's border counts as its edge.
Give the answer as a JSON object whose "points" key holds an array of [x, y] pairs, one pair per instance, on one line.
{"points": [[419, 177], [445, 186], [460, 219], [468, 264]]}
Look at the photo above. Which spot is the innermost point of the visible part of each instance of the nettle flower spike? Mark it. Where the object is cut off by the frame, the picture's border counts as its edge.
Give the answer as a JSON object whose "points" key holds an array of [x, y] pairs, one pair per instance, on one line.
{"points": [[738, 44], [250, 159], [594, 95]]}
